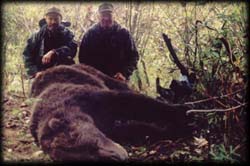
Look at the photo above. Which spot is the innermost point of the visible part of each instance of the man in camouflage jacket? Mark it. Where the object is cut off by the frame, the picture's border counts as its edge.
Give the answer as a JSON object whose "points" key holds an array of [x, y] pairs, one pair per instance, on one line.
{"points": [[108, 47], [52, 45]]}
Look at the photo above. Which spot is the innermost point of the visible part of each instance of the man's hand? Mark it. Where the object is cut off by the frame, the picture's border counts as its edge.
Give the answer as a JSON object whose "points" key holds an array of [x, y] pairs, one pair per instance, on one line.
{"points": [[48, 57], [38, 74], [120, 77]]}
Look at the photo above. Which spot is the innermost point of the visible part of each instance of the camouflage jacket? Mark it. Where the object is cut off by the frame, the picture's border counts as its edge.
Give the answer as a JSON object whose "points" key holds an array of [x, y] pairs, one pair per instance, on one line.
{"points": [[111, 51], [35, 49]]}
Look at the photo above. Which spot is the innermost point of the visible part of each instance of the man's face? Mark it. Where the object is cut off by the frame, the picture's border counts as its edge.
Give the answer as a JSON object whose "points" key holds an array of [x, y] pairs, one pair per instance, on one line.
{"points": [[106, 19], [53, 20]]}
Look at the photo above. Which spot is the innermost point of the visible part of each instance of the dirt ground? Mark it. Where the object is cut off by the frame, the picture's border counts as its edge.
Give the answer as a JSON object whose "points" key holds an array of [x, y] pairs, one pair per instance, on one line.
{"points": [[18, 144]]}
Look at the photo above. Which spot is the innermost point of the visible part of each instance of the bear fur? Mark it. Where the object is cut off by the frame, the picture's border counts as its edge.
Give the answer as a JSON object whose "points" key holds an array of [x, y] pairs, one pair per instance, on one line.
{"points": [[77, 74], [65, 132], [78, 120]]}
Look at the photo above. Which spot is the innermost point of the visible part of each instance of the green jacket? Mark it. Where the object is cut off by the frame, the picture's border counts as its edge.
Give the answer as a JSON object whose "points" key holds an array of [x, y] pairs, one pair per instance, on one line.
{"points": [[34, 50]]}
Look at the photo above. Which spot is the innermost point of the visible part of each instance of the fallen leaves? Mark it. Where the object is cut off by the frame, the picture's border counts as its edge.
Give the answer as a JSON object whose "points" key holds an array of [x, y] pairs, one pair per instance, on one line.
{"points": [[200, 142], [37, 154], [152, 152], [18, 144], [23, 105], [9, 150]]}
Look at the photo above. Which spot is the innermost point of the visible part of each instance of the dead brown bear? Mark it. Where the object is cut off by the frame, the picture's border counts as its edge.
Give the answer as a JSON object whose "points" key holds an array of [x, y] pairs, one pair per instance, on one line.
{"points": [[77, 74], [67, 133], [76, 122]]}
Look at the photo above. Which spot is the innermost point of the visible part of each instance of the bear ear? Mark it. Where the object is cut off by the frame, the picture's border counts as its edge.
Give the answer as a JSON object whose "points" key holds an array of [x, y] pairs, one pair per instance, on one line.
{"points": [[55, 123]]}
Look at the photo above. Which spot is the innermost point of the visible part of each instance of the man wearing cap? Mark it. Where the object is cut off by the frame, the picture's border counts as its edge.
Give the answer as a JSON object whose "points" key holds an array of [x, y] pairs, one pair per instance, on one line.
{"points": [[52, 45], [109, 47]]}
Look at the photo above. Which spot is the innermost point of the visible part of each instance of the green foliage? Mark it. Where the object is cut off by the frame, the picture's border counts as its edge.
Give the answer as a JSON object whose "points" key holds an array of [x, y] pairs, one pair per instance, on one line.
{"points": [[219, 153], [146, 22], [180, 155], [15, 111], [31, 101]]}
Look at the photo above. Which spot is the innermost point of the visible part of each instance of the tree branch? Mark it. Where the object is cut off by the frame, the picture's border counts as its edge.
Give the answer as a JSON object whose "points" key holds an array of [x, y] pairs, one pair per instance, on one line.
{"points": [[229, 51], [215, 110], [213, 98], [167, 40]]}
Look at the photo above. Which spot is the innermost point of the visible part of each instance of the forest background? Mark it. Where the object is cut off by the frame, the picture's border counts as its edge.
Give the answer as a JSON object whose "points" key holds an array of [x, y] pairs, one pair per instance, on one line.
{"points": [[196, 29]]}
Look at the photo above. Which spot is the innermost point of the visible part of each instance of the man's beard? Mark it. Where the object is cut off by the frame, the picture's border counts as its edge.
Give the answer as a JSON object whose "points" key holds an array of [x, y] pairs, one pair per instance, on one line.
{"points": [[53, 27], [107, 25]]}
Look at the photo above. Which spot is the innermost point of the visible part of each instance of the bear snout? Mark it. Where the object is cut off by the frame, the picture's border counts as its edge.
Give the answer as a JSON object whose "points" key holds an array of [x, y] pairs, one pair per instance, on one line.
{"points": [[113, 151]]}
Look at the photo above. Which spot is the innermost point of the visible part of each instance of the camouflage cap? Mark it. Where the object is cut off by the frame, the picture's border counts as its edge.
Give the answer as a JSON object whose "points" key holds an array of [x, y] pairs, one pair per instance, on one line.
{"points": [[53, 10], [106, 7]]}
